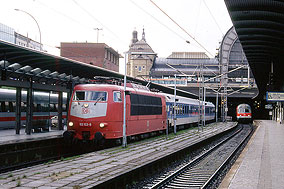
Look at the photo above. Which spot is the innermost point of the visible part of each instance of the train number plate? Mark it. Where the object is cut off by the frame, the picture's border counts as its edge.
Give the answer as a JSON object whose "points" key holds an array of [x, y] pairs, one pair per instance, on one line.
{"points": [[85, 124]]}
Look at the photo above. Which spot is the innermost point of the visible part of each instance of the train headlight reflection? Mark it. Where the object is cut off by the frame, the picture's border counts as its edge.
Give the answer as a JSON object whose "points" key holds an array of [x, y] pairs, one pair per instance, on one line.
{"points": [[70, 123]]}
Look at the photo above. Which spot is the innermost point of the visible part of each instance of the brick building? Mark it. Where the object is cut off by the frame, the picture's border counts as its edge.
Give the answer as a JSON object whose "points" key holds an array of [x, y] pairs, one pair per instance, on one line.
{"points": [[98, 54]]}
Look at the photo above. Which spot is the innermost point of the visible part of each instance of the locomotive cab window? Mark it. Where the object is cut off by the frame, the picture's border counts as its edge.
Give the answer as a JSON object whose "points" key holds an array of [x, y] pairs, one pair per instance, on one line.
{"points": [[79, 95], [117, 96], [90, 96]]}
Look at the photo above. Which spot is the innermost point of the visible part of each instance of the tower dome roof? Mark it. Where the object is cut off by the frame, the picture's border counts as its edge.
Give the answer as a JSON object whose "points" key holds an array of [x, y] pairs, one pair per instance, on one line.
{"points": [[141, 45]]}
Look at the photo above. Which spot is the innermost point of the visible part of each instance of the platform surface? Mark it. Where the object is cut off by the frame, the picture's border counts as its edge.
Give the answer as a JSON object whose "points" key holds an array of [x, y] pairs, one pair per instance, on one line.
{"points": [[89, 170], [262, 166], [10, 136]]}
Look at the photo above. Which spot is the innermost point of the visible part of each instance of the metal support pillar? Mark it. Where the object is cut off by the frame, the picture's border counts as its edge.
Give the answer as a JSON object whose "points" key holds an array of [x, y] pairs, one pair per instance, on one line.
{"points": [[216, 107], [248, 76], [18, 109], [201, 99], [204, 106], [67, 103], [167, 130], [69, 94], [224, 95], [60, 102], [281, 112], [175, 108], [29, 120], [49, 115], [124, 139]]}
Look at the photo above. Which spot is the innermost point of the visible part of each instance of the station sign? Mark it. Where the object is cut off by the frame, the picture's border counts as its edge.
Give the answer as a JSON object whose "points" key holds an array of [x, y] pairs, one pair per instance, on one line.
{"points": [[268, 106], [274, 96]]}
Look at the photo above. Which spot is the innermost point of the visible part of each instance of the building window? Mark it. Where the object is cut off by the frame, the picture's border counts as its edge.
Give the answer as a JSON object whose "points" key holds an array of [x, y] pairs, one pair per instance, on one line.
{"points": [[143, 67], [136, 67], [139, 69], [114, 59]]}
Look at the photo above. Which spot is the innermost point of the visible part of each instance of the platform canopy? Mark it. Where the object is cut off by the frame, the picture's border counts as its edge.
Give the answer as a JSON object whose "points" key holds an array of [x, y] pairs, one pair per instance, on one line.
{"points": [[260, 28], [25, 62]]}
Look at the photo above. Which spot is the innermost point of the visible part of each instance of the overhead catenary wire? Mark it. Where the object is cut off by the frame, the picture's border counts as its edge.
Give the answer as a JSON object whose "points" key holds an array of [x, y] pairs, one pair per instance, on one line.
{"points": [[181, 27], [158, 20], [213, 17]]}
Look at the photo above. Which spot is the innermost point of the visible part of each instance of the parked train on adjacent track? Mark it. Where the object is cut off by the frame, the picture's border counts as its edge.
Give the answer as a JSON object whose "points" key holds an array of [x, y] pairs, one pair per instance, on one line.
{"points": [[45, 107], [244, 113], [96, 112]]}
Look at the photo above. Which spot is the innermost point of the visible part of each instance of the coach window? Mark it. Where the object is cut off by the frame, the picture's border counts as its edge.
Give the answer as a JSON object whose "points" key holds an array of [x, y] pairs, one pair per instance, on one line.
{"points": [[55, 107], [23, 107], [7, 107], [64, 107], [12, 106], [117, 96], [52, 108]]}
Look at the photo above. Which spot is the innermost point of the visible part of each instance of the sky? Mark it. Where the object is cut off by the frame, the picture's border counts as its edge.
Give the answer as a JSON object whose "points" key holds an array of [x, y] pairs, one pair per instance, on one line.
{"points": [[201, 22]]}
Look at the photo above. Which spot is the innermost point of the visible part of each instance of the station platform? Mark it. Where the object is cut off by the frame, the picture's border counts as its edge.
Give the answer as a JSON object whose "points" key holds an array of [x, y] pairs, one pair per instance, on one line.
{"points": [[91, 169], [10, 136], [261, 164]]}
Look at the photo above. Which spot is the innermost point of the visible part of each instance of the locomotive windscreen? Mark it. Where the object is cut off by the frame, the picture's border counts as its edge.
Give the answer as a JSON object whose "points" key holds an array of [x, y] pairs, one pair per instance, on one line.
{"points": [[90, 95]]}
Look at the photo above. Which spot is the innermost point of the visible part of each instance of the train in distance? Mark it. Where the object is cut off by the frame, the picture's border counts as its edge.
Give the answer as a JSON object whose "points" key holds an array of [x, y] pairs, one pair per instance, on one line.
{"points": [[244, 113]]}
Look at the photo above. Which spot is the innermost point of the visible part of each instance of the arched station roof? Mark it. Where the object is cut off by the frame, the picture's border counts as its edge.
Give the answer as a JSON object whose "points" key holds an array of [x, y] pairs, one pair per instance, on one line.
{"points": [[260, 28]]}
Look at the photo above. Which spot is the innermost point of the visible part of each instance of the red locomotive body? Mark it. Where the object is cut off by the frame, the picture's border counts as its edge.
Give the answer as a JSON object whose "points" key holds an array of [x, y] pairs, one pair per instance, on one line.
{"points": [[96, 112]]}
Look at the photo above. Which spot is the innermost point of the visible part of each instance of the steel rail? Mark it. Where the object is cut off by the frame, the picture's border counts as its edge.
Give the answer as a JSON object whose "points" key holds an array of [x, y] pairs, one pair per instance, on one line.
{"points": [[173, 175]]}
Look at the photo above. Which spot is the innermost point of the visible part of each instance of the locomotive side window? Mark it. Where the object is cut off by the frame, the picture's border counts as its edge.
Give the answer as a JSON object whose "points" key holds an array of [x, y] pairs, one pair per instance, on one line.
{"points": [[145, 105], [117, 96]]}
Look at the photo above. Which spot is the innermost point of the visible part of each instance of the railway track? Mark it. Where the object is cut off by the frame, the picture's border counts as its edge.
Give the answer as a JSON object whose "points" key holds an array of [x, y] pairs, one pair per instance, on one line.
{"points": [[201, 171], [25, 154]]}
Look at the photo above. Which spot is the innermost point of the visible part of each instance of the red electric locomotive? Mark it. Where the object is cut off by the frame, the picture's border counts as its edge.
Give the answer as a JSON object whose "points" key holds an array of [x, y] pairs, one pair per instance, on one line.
{"points": [[96, 112]]}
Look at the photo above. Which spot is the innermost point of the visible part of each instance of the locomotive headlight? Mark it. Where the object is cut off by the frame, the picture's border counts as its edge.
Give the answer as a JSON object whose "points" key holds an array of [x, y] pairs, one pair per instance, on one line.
{"points": [[70, 123], [102, 125]]}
